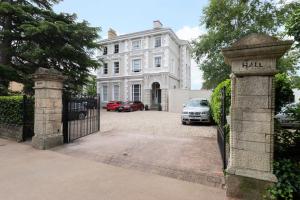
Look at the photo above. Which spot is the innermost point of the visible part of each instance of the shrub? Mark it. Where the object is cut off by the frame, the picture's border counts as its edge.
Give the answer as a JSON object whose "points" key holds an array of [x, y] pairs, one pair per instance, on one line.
{"points": [[216, 100], [288, 185], [283, 91], [11, 108]]}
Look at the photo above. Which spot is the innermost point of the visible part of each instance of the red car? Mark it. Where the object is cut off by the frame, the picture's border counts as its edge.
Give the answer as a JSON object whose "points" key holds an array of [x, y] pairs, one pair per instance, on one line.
{"points": [[131, 106], [113, 105]]}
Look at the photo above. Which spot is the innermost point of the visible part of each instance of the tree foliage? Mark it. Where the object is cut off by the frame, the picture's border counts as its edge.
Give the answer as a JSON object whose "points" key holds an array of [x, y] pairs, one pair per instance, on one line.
{"points": [[228, 20], [91, 87], [32, 35], [293, 25]]}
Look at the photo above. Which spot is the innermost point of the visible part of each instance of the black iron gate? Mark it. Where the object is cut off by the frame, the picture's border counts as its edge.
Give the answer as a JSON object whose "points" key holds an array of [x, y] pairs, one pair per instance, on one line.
{"points": [[81, 116], [223, 130], [28, 117]]}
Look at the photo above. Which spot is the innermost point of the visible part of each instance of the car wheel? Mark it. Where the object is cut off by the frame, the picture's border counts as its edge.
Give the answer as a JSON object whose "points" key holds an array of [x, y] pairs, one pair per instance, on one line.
{"points": [[142, 108], [107, 110], [183, 122], [81, 116]]}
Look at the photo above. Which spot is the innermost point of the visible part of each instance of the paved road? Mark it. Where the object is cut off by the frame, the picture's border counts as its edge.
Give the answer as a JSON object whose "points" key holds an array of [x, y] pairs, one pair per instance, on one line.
{"points": [[29, 174], [153, 142]]}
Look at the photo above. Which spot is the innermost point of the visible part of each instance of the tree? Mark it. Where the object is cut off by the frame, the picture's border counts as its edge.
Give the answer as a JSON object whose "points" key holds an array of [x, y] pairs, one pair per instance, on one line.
{"points": [[91, 87], [293, 25], [32, 35], [228, 20]]}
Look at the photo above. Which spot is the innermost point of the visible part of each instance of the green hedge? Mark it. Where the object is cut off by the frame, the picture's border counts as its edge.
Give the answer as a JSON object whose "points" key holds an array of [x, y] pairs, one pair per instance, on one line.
{"points": [[215, 102], [11, 109]]}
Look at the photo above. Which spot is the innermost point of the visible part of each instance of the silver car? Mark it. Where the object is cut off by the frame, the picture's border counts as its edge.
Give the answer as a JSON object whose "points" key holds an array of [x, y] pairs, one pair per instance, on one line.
{"points": [[286, 118], [196, 110]]}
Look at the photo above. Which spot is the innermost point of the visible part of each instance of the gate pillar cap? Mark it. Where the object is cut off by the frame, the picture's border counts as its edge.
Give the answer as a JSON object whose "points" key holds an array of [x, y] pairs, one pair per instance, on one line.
{"points": [[48, 74], [256, 46]]}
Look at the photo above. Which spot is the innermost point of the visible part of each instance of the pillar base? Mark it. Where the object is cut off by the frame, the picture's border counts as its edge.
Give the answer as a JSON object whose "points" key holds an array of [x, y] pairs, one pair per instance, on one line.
{"points": [[47, 142], [241, 187]]}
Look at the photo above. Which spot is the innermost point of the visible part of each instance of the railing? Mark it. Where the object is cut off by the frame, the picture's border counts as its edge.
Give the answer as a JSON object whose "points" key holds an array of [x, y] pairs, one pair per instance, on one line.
{"points": [[81, 116], [222, 132]]}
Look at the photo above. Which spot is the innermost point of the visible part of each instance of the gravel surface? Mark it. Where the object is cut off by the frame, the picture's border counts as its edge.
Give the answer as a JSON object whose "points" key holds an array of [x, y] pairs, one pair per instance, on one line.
{"points": [[153, 123]]}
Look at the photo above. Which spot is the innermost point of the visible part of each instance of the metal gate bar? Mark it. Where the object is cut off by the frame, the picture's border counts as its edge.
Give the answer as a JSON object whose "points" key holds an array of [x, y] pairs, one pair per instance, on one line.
{"points": [[80, 115]]}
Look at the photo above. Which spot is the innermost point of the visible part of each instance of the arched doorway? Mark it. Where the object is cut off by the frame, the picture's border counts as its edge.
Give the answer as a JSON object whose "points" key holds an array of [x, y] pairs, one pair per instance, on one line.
{"points": [[156, 94]]}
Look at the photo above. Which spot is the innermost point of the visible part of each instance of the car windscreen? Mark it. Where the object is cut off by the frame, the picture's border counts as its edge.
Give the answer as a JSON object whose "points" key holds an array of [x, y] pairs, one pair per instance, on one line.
{"points": [[197, 103]]}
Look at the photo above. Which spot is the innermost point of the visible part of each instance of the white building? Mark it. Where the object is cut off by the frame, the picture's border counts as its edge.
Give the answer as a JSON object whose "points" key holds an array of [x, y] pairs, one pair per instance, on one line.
{"points": [[143, 66]]}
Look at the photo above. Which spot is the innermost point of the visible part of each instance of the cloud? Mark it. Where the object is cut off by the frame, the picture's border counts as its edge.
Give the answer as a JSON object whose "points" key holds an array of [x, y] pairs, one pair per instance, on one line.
{"points": [[191, 33]]}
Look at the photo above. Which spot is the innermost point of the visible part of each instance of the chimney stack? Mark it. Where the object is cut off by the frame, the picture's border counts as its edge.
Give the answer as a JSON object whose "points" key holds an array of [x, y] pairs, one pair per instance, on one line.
{"points": [[157, 24], [111, 33]]}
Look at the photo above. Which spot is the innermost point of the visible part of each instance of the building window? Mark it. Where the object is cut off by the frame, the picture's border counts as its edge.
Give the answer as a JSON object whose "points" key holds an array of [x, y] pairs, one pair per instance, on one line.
{"points": [[116, 92], [136, 44], [105, 51], [116, 48], [104, 93], [116, 67], [105, 68], [136, 65], [136, 92], [157, 61], [157, 42]]}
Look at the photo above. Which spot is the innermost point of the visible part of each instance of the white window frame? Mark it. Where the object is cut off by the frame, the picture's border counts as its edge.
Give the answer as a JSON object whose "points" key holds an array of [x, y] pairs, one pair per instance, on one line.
{"points": [[118, 45], [155, 42], [135, 70], [105, 50], [139, 92], [113, 92], [104, 99], [155, 64], [105, 66], [116, 68], [137, 46]]}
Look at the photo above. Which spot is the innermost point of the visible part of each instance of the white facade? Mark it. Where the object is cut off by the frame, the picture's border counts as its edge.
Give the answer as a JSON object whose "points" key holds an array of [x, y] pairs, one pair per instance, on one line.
{"points": [[144, 66]]}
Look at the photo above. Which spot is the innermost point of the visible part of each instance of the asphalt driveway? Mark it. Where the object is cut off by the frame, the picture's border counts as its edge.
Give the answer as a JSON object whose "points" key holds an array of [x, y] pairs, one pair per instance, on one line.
{"points": [[153, 142]]}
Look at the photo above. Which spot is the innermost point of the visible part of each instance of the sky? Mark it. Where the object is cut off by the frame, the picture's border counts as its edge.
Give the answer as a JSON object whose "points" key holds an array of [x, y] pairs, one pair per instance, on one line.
{"points": [[128, 16]]}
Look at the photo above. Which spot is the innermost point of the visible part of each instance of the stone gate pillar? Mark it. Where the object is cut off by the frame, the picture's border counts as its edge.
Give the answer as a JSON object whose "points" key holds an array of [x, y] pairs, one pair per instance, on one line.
{"points": [[253, 61], [48, 108]]}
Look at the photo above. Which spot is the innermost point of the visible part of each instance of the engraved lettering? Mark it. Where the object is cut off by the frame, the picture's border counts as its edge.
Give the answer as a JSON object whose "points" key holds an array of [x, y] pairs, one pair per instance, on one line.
{"points": [[251, 64]]}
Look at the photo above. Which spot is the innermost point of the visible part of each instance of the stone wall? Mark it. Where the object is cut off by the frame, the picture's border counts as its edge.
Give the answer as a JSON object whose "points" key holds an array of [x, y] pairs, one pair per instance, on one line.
{"points": [[11, 131], [177, 97]]}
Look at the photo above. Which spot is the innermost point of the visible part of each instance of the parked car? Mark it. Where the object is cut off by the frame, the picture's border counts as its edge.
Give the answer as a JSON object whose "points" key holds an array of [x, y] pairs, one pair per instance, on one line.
{"points": [[113, 105], [77, 111], [196, 110], [286, 118], [130, 106]]}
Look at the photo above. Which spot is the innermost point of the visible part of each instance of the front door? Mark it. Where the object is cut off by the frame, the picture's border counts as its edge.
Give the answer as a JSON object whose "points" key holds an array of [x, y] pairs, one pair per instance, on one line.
{"points": [[156, 94]]}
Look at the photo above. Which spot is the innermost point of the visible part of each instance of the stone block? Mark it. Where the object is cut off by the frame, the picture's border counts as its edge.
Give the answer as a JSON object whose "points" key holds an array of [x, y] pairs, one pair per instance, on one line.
{"points": [[241, 187], [254, 116], [236, 126], [256, 127], [253, 160], [251, 146], [54, 94], [253, 86], [254, 66], [44, 142], [252, 137], [253, 102]]}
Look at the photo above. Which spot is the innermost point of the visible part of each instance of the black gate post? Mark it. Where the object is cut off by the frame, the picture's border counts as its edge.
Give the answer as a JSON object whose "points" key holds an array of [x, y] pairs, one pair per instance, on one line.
{"points": [[65, 118], [98, 111], [24, 108], [223, 122]]}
